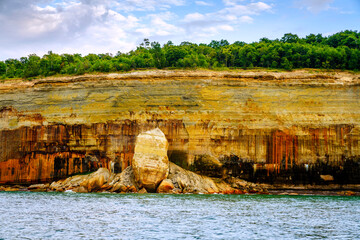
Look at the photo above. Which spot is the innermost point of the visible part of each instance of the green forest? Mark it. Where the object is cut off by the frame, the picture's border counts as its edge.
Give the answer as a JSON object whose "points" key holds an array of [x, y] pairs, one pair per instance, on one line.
{"points": [[338, 51]]}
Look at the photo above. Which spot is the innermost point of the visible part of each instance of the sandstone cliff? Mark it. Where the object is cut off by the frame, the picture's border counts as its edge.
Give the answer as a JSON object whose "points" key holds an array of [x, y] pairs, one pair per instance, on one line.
{"points": [[255, 125]]}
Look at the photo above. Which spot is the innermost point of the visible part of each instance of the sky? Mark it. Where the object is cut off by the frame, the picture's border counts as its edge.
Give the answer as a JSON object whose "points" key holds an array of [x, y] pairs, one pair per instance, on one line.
{"points": [[109, 26]]}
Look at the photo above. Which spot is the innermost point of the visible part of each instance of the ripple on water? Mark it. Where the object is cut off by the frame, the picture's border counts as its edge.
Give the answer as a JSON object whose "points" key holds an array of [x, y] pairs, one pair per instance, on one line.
{"points": [[26, 215]]}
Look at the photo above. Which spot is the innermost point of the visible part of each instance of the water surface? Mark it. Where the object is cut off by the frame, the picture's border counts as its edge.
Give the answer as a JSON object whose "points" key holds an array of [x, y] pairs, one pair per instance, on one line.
{"points": [[27, 215]]}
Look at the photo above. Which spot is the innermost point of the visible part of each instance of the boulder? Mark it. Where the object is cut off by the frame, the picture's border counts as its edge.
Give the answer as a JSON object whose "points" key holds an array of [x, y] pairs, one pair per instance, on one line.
{"points": [[190, 182], [327, 178], [119, 187], [84, 183], [120, 181], [210, 191], [11, 189], [142, 191], [68, 183], [150, 162], [39, 186], [80, 189], [244, 186], [96, 180], [57, 186], [166, 186], [207, 165], [347, 193], [131, 189]]}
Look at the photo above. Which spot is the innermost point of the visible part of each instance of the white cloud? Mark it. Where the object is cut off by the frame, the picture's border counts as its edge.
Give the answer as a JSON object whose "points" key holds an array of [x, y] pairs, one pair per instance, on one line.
{"points": [[161, 27], [314, 6], [100, 26], [246, 19], [71, 26], [347, 12], [158, 26], [232, 2], [194, 17], [146, 5], [226, 27], [146, 32], [223, 20], [202, 3], [250, 9]]}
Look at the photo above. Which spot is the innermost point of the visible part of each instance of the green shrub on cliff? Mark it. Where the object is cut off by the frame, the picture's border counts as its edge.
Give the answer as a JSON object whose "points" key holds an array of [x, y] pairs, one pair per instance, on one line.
{"points": [[338, 51]]}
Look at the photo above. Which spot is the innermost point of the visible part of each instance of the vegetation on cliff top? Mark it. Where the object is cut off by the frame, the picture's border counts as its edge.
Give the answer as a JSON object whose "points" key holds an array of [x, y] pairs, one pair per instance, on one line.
{"points": [[338, 51]]}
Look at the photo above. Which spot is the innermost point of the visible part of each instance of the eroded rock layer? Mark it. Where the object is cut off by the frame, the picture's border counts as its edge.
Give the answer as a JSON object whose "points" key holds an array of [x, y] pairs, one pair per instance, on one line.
{"points": [[233, 123]]}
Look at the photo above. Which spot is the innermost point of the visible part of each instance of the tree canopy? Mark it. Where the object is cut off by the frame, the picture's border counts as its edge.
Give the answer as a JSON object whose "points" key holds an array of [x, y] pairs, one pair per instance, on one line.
{"points": [[338, 51]]}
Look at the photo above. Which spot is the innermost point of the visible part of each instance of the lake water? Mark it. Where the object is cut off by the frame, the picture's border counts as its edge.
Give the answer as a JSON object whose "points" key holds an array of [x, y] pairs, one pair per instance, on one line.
{"points": [[27, 215]]}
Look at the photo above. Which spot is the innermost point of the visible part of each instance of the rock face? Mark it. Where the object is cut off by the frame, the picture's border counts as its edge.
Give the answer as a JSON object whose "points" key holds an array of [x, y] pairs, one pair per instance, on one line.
{"points": [[166, 186], [99, 181], [190, 182], [150, 163], [124, 181], [83, 183], [256, 125], [96, 180]]}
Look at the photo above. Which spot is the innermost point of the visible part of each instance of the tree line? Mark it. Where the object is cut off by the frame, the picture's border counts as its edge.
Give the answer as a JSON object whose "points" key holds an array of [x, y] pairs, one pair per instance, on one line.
{"points": [[337, 51]]}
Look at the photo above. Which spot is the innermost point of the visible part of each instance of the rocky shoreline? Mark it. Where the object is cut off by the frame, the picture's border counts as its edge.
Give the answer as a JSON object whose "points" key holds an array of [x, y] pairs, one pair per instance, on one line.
{"points": [[249, 188], [152, 172], [179, 181]]}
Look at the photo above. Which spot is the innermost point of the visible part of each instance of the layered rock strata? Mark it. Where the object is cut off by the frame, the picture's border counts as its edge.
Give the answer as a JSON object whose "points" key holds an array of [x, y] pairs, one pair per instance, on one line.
{"points": [[218, 123]]}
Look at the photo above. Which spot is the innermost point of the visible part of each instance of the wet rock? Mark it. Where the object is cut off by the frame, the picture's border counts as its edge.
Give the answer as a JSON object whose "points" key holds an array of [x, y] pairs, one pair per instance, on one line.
{"points": [[38, 190], [347, 193], [190, 182], [293, 194], [166, 186], [105, 187], [131, 189], [96, 180], [245, 186], [83, 183], [284, 193], [150, 162], [210, 191], [57, 186], [228, 191], [177, 191], [238, 191], [238, 183], [327, 178], [80, 189], [121, 180], [39, 186], [118, 187], [207, 165], [68, 183], [11, 189], [142, 191]]}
